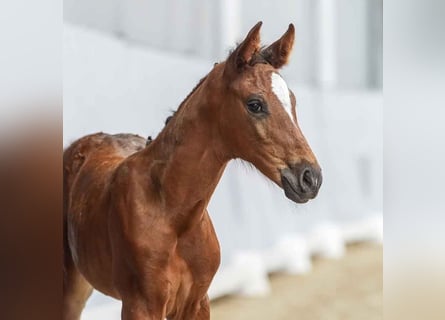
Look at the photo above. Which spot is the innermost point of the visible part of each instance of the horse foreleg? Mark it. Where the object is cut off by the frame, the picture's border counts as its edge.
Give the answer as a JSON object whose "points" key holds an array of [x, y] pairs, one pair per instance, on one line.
{"points": [[144, 297], [76, 291], [204, 309], [138, 307], [194, 310]]}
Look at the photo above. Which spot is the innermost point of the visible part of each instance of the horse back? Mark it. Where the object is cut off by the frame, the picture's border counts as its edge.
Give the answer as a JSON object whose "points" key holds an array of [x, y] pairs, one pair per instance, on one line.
{"points": [[97, 155]]}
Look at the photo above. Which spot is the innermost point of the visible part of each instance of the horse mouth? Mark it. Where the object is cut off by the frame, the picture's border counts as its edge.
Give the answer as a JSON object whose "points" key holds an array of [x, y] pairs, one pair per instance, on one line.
{"points": [[291, 192]]}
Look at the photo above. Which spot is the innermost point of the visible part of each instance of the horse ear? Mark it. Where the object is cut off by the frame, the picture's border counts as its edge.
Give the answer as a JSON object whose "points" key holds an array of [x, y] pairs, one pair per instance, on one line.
{"points": [[245, 51], [277, 54]]}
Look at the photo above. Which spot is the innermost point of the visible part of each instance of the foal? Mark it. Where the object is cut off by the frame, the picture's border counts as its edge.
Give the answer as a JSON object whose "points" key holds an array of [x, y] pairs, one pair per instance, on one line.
{"points": [[135, 218]]}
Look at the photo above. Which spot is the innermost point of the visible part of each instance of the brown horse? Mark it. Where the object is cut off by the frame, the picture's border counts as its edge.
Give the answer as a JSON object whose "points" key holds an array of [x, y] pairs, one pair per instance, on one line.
{"points": [[135, 218]]}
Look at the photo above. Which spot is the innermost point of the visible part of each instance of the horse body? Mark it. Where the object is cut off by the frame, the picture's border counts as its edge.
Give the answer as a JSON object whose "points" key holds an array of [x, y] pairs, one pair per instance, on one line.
{"points": [[90, 164], [135, 220], [118, 211]]}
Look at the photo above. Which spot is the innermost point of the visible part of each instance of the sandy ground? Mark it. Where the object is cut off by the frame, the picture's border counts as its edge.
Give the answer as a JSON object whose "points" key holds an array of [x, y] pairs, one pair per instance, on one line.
{"points": [[349, 288]]}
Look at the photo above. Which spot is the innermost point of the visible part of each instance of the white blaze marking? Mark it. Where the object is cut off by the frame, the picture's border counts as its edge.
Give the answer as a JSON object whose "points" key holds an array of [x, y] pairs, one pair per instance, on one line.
{"points": [[280, 89]]}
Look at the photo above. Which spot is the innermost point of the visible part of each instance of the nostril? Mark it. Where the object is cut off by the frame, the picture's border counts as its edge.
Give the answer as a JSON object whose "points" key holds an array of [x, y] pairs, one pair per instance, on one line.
{"points": [[307, 177], [307, 180]]}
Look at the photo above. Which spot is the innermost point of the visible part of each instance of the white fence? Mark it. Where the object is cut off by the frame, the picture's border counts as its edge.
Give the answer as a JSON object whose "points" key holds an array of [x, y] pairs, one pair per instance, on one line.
{"points": [[112, 86]]}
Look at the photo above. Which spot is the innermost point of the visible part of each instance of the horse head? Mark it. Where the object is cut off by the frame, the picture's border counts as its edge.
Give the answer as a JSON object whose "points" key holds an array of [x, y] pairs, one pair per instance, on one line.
{"points": [[256, 115]]}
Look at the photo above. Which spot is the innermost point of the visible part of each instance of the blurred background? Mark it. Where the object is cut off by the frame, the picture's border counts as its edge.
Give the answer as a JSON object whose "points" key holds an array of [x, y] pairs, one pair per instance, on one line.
{"points": [[121, 60]]}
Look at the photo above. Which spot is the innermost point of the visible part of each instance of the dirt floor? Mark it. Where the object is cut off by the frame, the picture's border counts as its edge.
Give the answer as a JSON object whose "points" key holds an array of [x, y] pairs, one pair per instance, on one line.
{"points": [[345, 289]]}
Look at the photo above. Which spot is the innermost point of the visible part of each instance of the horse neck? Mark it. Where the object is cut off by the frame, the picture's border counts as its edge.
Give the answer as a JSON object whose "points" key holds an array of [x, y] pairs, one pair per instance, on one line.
{"points": [[187, 160]]}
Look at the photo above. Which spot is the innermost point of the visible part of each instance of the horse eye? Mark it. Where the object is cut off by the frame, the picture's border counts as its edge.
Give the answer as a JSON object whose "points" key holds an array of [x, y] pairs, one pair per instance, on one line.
{"points": [[255, 106]]}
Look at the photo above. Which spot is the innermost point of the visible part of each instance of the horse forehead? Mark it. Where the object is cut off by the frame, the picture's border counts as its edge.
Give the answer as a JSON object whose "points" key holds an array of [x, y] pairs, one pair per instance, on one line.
{"points": [[280, 89], [257, 76]]}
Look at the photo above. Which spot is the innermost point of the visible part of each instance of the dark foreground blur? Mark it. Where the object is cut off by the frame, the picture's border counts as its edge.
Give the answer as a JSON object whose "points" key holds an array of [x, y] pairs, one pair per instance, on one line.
{"points": [[31, 221], [30, 159]]}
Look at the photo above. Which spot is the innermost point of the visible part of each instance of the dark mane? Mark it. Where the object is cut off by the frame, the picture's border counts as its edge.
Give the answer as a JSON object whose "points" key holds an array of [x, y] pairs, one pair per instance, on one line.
{"points": [[186, 98], [193, 90], [259, 57]]}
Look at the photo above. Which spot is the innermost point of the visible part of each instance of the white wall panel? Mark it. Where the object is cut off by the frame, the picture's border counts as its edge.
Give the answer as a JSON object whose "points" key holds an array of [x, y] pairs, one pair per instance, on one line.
{"points": [[338, 42]]}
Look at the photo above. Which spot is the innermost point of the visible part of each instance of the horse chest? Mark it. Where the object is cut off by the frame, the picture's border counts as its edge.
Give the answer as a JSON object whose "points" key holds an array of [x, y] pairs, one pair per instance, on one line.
{"points": [[196, 260], [199, 254]]}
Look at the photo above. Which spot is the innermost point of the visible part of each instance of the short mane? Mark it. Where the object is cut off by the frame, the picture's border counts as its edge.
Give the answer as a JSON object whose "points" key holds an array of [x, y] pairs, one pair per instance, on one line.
{"points": [[186, 98]]}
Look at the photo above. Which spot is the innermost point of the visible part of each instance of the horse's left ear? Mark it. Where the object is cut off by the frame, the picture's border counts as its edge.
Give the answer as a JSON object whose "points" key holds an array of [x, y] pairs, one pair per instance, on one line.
{"points": [[277, 54], [245, 51]]}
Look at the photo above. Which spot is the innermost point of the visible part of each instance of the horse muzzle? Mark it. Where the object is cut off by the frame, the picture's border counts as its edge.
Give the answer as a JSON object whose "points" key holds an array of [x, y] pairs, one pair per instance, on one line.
{"points": [[301, 182]]}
